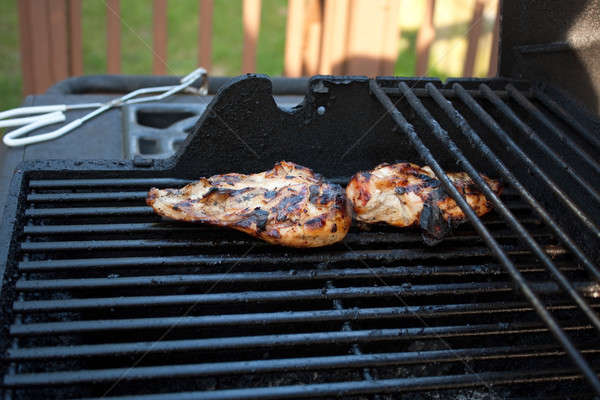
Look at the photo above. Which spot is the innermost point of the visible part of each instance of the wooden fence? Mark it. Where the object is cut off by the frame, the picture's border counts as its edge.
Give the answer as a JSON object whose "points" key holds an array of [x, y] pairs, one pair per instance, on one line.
{"points": [[322, 37]]}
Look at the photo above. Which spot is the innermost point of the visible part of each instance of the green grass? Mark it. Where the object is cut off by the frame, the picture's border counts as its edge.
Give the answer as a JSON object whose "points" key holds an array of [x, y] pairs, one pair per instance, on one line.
{"points": [[227, 37], [93, 25], [182, 25], [10, 68], [271, 40], [136, 41]]}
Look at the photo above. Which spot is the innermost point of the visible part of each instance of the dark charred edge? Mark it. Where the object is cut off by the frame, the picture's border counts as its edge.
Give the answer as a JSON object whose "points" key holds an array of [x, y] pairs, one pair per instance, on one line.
{"points": [[316, 223], [288, 205], [341, 202], [317, 176], [417, 188], [224, 192], [360, 180], [274, 233], [435, 227], [258, 217], [314, 191], [328, 195], [182, 205], [270, 194], [227, 178], [153, 194], [500, 186]]}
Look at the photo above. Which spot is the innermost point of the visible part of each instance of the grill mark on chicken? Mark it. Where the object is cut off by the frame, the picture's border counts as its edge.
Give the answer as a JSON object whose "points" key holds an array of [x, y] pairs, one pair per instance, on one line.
{"points": [[258, 218], [288, 205], [314, 193], [315, 223], [230, 179], [405, 194]]}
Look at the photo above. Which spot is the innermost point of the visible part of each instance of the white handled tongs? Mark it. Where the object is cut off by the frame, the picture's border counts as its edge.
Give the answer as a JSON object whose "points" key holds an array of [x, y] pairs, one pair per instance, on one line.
{"points": [[40, 116]]}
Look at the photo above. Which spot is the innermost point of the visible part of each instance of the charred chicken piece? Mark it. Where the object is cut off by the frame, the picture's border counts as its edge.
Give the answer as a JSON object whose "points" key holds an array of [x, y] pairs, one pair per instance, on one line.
{"points": [[289, 205], [405, 194]]}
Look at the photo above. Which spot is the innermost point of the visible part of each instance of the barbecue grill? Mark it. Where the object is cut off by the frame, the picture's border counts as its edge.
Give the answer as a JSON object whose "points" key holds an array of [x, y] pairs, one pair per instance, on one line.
{"points": [[103, 299]]}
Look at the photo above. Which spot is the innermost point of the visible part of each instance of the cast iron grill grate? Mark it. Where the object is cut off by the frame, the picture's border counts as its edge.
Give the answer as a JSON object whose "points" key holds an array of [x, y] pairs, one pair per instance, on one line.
{"points": [[108, 300]]}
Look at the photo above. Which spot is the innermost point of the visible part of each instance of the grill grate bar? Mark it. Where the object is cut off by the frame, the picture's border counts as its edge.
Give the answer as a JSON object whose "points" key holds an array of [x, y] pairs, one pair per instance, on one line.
{"points": [[74, 327], [539, 143], [134, 210], [290, 339], [425, 153], [30, 285], [557, 109], [103, 196], [453, 149], [397, 255], [103, 183], [420, 92], [474, 138], [88, 211], [287, 295], [533, 110], [100, 196], [338, 389], [351, 239], [347, 327], [123, 182], [430, 311], [111, 228], [280, 365], [35, 230], [516, 150]]}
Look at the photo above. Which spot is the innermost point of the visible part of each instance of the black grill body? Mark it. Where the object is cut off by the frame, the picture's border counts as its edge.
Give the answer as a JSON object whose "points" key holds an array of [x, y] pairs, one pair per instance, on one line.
{"points": [[102, 298]]}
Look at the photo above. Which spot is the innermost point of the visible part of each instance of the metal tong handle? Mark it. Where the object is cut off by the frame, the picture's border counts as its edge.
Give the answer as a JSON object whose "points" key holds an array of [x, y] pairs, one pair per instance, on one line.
{"points": [[4, 115], [10, 138]]}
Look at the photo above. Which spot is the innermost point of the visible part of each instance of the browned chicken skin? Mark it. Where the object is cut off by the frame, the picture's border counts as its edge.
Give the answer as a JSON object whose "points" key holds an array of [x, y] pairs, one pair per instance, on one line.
{"points": [[405, 194], [289, 205]]}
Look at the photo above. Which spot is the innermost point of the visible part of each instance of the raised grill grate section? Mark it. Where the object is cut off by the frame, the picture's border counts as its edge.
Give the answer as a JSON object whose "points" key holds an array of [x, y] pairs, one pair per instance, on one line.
{"points": [[111, 302]]}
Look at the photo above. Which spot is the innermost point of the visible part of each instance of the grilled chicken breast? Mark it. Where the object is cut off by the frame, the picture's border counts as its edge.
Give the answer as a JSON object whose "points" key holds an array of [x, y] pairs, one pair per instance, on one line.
{"points": [[289, 205], [405, 194]]}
